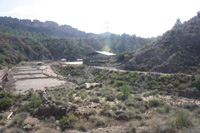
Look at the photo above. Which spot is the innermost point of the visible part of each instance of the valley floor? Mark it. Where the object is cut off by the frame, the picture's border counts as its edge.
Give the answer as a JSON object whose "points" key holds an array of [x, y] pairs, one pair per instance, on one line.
{"points": [[51, 97]]}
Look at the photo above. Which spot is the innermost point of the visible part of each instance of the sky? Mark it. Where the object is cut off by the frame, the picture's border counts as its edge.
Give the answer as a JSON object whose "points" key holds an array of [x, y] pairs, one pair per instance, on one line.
{"points": [[145, 18]]}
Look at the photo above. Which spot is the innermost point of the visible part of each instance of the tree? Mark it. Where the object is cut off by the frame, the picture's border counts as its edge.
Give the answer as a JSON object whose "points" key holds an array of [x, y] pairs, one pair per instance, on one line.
{"points": [[19, 58], [177, 24]]}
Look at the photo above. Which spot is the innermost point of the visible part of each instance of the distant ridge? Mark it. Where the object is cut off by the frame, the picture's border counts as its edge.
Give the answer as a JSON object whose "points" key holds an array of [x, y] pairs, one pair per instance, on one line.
{"points": [[49, 27]]}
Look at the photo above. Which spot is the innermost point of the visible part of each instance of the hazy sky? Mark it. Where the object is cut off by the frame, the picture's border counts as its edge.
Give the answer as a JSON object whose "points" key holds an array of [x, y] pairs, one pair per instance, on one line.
{"points": [[145, 18]]}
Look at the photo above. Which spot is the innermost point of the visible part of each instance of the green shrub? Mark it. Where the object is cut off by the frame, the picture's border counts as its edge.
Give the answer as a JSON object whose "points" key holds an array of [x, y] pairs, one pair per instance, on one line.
{"points": [[124, 115], [19, 119], [100, 123], [122, 56], [190, 106], [110, 97], [35, 102], [95, 100], [125, 92], [63, 122], [92, 112], [154, 103], [1, 59], [82, 127], [119, 83], [182, 120], [6, 100], [72, 119], [19, 58], [197, 82]]}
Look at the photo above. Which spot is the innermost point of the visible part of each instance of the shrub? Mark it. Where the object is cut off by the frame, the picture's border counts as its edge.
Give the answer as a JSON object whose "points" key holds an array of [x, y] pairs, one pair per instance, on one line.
{"points": [[122, 56], [125, 92], [92, 112], [190, 106], [154, 103], [19, 119], [100, 123], [35, 101], [119, 83], [166, 108], [182, 120], [72, 119], [19, 58], [6, 100], [63, 122], [110, 97], [82, 127], [197, 82], [95, 100], [124, 115], [1, 58]]}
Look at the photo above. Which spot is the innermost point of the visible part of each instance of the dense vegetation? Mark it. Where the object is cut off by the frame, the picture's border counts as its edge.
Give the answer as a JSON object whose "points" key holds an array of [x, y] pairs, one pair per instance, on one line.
{"points": [[122, 43]]}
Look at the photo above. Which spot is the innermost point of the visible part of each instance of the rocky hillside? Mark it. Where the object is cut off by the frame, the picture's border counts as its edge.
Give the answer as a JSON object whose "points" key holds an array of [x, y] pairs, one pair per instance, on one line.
{"points": [[48, 27], [176, 51]]}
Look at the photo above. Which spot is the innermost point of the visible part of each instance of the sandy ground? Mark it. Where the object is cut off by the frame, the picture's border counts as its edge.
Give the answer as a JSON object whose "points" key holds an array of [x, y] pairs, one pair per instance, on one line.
{"points": [[37, 84]]}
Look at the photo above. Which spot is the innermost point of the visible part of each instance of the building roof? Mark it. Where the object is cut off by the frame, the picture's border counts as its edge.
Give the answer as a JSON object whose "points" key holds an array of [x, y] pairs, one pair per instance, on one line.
{"points": [[102, 52]]}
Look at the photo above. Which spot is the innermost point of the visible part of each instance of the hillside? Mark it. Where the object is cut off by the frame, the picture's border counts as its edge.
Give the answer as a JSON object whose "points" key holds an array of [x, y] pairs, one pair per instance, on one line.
{"points": [[49, 48], [36, 40], [49, 27], [176, 51]]}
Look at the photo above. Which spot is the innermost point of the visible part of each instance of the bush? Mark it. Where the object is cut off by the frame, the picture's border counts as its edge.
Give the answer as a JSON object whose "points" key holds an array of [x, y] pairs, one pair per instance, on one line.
{"points": [[110, 97], [68, 122], [63, 122], [197, 82], [6, 100], [154, 103], [182, 120], [19, 58], [190, 106], [124, 115], [19, 119], [100, 123], [35, 101], [125, 92], [95, 100], [82, 127], [1, 59], [122, 56], [119, 83]]}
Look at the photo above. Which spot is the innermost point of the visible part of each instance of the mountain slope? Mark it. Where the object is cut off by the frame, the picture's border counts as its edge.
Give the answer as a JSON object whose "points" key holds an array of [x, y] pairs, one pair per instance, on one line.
{"points": [[178, 50], [44, 48], [48, 27]]}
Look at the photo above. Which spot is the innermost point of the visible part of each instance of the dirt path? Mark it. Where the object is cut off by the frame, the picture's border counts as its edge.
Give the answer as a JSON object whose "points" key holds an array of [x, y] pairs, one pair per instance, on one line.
{"points": [[120, 70]]}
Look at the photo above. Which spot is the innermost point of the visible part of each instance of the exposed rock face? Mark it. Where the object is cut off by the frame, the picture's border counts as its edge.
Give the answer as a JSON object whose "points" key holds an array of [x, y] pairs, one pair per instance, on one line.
{"points": [[176, 51]]}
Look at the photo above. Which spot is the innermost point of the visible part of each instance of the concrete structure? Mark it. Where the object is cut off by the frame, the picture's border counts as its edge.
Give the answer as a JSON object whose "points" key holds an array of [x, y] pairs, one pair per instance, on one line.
{"points": [[98, 58]]}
